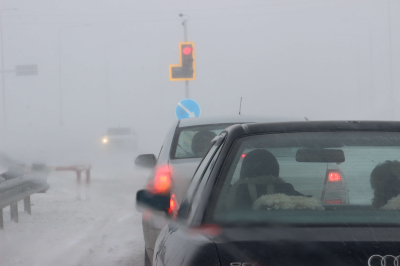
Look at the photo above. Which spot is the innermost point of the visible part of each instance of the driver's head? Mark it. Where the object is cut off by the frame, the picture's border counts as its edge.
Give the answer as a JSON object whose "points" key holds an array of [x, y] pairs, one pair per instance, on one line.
{"points": [[201, 142], [259, 163]]}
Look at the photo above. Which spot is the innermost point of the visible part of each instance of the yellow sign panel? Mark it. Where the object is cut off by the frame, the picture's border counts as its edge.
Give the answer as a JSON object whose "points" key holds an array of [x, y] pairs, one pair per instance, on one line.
{"points": [[186, 69]]}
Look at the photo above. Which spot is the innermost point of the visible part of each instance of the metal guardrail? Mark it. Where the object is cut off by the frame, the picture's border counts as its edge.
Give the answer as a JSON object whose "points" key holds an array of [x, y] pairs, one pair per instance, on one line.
{"points": [[20, 188]]}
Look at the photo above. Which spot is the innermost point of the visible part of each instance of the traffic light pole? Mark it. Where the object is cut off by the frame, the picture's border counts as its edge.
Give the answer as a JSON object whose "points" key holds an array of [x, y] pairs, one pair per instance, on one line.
{"points": [[184, 23]]}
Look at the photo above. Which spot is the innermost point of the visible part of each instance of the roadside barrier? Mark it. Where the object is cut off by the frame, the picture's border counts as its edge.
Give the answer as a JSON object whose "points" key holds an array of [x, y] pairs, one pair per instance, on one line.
{"points": [[20, 188], [21, 183], [78, 169]]}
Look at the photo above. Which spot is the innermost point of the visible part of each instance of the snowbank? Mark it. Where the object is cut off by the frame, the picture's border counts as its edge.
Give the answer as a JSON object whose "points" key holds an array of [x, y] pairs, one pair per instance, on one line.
{"points": [[284, 202]]}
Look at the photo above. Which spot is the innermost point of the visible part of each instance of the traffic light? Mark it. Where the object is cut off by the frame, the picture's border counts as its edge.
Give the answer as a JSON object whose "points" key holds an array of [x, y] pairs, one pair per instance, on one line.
{"points": [[185, 70]]}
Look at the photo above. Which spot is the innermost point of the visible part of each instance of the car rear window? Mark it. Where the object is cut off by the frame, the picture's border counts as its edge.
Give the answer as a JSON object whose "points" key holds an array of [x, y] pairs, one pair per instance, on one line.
{"points": [[194, 142], [314, 178], [118, 131]]}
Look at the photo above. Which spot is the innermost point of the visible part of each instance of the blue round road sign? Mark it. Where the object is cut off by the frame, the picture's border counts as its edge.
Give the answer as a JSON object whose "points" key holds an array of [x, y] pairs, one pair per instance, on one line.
{"points": [[187, 108]]}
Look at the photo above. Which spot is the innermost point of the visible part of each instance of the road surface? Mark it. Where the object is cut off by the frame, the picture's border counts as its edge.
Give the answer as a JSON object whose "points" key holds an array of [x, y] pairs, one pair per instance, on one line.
{"points": [[103, 228]]}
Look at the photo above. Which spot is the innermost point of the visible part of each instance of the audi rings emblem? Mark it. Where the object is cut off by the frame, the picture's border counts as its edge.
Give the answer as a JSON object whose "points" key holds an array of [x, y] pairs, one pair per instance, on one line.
{"points": [[384, 260]]}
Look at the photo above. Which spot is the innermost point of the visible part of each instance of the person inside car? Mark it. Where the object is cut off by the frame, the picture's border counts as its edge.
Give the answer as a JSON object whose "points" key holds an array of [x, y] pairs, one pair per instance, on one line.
{"points": [[259, 176], [201, 142], [385, 181]]}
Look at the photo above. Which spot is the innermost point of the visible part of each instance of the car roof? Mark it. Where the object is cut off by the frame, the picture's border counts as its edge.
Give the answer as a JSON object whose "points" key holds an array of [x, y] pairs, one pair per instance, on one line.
{"points": [[234, 119], [314, 126]]}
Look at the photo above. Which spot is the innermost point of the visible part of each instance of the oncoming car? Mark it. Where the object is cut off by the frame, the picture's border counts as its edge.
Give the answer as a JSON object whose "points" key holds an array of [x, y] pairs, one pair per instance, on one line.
{"points": [[184, 146], [269, 207], [120, 137]]}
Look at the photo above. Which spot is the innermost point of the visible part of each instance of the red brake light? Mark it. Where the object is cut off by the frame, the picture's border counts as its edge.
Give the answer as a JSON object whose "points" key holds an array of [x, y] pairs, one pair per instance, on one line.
{"points": [[334, 177], [208, 229], [162, 180], [334, 191], [243, 155], [187, 50], [334, 201], [173, 205]]}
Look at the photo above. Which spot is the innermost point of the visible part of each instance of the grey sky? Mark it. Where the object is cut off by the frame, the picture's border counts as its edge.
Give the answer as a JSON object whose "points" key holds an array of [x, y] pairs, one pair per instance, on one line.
{"points": [[335, 59]]}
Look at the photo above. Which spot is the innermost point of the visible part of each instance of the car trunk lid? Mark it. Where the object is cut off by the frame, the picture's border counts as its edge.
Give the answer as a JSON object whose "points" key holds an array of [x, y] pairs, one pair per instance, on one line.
{"points": [[309, 246]]}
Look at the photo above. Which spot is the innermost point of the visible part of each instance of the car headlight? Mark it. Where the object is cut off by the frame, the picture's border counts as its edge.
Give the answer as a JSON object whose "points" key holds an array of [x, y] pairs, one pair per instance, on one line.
{"points": [[105, 140]]}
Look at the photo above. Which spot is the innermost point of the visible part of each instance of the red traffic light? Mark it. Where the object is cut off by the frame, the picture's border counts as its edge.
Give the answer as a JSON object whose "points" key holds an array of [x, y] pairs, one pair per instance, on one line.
{"points": [[187, 50], [186, 68]]}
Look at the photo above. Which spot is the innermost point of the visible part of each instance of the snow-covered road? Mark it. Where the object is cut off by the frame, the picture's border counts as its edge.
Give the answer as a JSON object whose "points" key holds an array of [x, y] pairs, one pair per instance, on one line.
{"points": [[103, 230]]}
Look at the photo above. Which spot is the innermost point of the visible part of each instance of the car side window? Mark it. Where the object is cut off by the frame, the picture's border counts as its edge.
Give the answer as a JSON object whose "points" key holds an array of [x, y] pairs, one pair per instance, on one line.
{"points": [[196, 180], [198, 193], [199, 173]]}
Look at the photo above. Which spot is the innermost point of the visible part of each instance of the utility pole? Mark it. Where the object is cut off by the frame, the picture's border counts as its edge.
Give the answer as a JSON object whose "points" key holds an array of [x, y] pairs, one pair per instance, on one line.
{"points": [[184, 23], [2, 65]]}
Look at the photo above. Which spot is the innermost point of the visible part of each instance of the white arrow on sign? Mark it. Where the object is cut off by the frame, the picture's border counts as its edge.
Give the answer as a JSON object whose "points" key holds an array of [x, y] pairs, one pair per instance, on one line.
{"points": [[191, 114]]}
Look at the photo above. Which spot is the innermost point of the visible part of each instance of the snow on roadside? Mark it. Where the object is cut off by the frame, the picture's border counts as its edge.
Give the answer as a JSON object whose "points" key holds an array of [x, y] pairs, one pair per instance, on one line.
{"points": [[104, 230]]}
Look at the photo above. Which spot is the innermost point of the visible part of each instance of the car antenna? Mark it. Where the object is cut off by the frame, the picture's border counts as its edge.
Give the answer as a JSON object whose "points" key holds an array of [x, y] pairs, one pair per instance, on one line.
{"points": [[306, 119], [240, 106]]}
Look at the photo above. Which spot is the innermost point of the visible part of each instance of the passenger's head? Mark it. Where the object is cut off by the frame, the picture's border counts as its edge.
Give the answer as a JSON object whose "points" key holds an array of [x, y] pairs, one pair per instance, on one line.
{"points": [[259, 163], [385, 181], [201, 142]]}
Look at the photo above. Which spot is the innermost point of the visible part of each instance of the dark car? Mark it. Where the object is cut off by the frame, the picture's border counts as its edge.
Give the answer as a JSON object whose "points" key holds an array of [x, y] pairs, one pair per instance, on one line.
{"points": [[259, 198], [184, 146]]}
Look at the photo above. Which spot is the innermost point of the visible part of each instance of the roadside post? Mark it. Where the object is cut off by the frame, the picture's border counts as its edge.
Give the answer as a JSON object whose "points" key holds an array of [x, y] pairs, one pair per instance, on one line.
{"points": [[78, 169]]}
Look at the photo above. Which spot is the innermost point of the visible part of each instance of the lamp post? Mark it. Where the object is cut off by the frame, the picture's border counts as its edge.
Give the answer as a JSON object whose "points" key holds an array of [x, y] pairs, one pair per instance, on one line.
{"points": [[2, 64], [59, 67]]}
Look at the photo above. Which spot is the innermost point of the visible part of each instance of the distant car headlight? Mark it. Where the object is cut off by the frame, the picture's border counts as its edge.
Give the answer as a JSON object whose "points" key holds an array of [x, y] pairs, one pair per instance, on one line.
{"points": [[105, 140]]}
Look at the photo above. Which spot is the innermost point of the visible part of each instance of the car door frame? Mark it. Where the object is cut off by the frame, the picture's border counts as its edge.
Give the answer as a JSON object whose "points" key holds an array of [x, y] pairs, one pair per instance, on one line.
{"points": [[186, 212]]}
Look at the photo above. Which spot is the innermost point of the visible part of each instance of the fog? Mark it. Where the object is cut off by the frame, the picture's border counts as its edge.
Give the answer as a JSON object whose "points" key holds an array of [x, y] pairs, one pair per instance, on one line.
{"points": [[105, 63], [319, 59]]}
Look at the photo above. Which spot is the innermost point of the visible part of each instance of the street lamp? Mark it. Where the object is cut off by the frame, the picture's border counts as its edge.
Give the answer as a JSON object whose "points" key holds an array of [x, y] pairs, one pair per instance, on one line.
{"points": [[184, 23], [59, 67], [2, 63]]}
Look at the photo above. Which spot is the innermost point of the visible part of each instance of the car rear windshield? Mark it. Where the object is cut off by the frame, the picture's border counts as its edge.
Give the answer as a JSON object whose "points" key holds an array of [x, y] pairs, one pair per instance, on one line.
{"points": [[194, 142], [118, 131], [313, 178]]}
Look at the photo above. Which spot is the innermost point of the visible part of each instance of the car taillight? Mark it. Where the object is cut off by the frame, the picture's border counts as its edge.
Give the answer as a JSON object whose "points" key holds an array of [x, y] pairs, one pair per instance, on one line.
{"points": [[334, 177], [333, 202], [208, 229], [243, 155], [162, 180], [334, 191], [173, 204]]}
